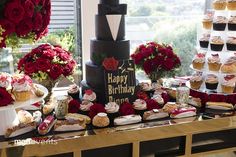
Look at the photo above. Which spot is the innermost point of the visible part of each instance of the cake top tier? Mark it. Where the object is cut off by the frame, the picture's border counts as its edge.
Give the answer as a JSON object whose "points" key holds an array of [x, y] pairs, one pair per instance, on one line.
{"points": [[109, 2]]}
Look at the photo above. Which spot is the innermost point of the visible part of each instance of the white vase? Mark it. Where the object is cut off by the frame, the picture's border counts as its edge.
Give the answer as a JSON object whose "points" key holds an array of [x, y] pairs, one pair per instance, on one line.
{"points": [[6, 60]]}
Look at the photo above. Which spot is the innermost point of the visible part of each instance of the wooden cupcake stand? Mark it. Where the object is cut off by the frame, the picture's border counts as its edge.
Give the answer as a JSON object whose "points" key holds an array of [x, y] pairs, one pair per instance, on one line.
{"points": [[8, 113]]}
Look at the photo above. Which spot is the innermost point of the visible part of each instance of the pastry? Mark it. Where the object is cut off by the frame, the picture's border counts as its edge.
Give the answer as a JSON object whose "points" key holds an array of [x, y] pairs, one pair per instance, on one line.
{"points": [[204, 40], [211, 82], [74, 92], [129, 119], [48, 108], [207, 21], [76, 116], [20, 129], [219, 4], [101, 120], [219, 23], [228, 84], [37, 117], [5, 80], [155, 114], [140, 106], [231, 43], [46, 125], [217, 43], [24, 117], [196, 102], [229, 66], [37, 91], [219, 105], [231, 4], [196, 81], [214, 63], [71, 123], [112, 109], [21, 87], [183, 112], [89, 95], [198, 61], [232, 23], [145, 86], [170, 106]]}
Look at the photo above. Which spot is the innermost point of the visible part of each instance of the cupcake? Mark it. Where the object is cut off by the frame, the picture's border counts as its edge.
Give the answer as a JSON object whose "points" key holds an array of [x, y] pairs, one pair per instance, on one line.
{"points": [[219, 4], [5, 80], [231, 4], [147, 88], [219, 23], [21, 87], [196, 81], [158, 98], [214, 63], [112, 110], [140, 106], [232, 23], [217, 43], [85, 107], [228, 84], [231, 43], [204, 40], [198, 61], [89, 95], [207, 21], [74, 91], [211, 82], [101, 120]]}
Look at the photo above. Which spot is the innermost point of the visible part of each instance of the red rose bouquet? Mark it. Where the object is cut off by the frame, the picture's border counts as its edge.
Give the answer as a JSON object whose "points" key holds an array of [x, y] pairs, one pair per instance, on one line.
{"points": [[5, 97], [23, 19], [157, 60]]}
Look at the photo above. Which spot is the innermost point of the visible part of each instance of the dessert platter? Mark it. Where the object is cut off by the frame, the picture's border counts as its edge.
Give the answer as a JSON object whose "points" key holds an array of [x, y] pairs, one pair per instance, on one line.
{"points": [[215, 62]]}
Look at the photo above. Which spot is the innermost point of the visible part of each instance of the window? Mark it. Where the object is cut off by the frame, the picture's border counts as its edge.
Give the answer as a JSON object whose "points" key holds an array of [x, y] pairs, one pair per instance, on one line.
{"points": [[64, 29], [168, 21]]}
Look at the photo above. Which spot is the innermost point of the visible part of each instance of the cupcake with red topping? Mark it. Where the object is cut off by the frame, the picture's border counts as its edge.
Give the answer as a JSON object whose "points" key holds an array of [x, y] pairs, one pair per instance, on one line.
{"points": [[85, 107], [5, 80], [90, 95], [214, 63], [198, 61], [140, 106], [228, 84], [207, 21], [21, 87], [231, 43]]}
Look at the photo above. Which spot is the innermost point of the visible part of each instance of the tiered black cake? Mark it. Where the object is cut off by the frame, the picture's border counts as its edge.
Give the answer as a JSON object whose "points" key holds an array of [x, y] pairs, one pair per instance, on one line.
{"points": [[110, 42]]}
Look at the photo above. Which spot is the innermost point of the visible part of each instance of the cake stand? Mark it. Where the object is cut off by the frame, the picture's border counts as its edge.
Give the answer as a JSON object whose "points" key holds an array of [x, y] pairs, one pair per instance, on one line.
{"points": [[8, 113]]}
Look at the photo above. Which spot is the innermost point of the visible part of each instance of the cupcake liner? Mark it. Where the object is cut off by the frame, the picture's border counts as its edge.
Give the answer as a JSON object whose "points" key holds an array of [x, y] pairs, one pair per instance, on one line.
{"points": [[198, 66], [22, 96], [207, 24], [219, 6], [217, 47], [219, 26], [211, 86], [231, 5], [231, 47], [204, 44], [196, 84], [214, 66], [227, 89], [232, 26]]}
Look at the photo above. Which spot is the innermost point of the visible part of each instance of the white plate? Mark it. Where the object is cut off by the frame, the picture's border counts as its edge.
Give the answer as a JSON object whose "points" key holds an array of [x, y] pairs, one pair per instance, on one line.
{"points": [[32, 100]]}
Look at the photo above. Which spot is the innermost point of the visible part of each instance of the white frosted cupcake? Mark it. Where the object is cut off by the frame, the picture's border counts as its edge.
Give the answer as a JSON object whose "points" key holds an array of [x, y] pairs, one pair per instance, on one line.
{"points": [[158, 98], [21, 87], [90, 95], [140, 106], [112, 109], [85, 107], [5, 80]]}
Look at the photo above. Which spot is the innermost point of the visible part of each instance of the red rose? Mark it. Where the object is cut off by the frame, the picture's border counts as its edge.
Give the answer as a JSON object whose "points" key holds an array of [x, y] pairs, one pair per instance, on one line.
{"points": [[110, 64], [126, 109], [2, 42], [147, 52], [55, 71], [168, 64], [29, 68], [29, 8], [148, 66], [5, 97], [24, 27], [68, 69], [65, 56], [37, 22], [142, 95], [43, 64], [8, 26], [169, 53], [36, 2], [95, 109], [14, 12], [152, 104], [73, 106], [49, 54], [158, 61], [137, 57]]}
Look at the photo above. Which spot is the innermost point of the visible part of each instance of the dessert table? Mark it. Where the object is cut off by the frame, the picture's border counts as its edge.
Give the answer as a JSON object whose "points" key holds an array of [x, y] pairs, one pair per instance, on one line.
{"points": [[194, 136]]}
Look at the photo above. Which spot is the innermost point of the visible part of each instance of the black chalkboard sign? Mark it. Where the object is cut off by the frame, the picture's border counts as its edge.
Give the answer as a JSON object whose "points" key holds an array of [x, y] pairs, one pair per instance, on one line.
{"points": [[120, 84]]}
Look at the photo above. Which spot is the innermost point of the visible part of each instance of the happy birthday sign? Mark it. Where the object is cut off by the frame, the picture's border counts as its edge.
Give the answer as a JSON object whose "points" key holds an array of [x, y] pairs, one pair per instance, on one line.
{"points": [[120, 84]]}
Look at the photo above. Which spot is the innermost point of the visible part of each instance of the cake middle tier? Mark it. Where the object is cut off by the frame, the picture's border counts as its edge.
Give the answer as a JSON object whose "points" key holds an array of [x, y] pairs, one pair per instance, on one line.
{"points": [[120, 50]]}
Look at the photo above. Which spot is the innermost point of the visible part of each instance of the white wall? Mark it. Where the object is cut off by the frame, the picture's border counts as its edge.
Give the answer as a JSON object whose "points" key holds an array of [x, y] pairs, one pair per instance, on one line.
{"points": [[89, 9]]}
